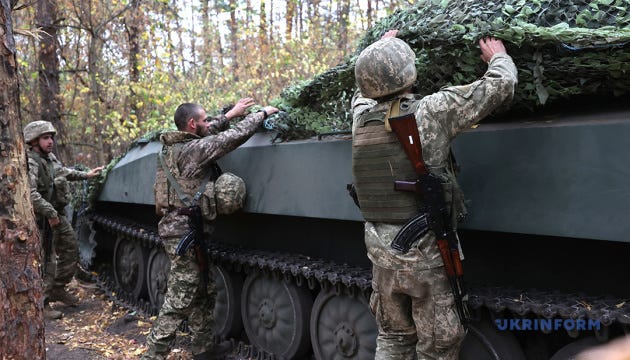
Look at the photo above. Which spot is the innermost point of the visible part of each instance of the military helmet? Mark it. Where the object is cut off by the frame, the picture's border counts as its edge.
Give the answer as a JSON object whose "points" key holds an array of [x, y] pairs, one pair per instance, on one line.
{"points": [[385, 67], [35, 129], [229, 193]]}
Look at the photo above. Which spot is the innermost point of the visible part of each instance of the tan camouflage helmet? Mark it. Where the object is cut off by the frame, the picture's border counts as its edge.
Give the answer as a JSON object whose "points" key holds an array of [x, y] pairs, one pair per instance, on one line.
{"points": [[35, 129], [385, 67], [229, 193]]}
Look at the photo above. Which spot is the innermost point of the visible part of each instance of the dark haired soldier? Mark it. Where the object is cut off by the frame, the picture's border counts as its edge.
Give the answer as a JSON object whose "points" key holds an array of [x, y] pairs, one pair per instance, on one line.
{"points": [[412, 299], [189, 154], [49, 194]]}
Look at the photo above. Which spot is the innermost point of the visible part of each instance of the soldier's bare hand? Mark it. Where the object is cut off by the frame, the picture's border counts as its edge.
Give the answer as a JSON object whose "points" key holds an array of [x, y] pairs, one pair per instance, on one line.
{"points": [[615, 350], [94, 172], [389, 34], [270, 110], [240, 108], [489, 47], [53, 222]]}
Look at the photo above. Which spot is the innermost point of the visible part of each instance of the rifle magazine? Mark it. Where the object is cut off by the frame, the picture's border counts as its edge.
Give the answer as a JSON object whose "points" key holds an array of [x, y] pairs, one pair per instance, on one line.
{"points": [[411, 232]]}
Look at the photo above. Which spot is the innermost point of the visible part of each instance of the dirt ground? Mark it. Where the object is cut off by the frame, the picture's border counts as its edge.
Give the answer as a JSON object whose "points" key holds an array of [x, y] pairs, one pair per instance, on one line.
{"points": [[99, 329]]}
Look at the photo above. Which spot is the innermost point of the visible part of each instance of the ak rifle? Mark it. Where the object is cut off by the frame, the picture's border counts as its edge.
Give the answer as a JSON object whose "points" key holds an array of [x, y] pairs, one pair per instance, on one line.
{"points": [[435, 213]]}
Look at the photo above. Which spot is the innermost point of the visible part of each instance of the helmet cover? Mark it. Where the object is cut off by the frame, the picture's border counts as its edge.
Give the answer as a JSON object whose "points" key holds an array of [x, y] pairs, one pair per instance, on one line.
{"points": [[385, 67]]}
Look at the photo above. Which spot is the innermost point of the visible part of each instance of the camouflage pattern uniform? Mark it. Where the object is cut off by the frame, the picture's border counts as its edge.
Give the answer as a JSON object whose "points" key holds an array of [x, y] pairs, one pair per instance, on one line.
{"points": [[49, 195], [412, 300], [185, 298]]}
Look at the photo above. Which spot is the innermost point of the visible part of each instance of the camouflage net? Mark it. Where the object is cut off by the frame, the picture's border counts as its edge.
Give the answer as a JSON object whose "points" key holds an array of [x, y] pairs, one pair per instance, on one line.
{"points": [[84, 194], [564, 49]]}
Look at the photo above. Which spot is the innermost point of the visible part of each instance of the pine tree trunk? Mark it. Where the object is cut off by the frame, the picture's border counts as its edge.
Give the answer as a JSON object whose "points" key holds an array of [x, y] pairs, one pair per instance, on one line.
{"points": [[262, 28], [234, 39], [21, 299], [133, 23], [48, 77], [343, 15], [291, 5]]}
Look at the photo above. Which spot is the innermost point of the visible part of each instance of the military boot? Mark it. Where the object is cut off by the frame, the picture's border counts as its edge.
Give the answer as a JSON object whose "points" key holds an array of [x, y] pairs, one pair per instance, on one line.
{"points": [[218, 352], [51, 314], [60, 294]]}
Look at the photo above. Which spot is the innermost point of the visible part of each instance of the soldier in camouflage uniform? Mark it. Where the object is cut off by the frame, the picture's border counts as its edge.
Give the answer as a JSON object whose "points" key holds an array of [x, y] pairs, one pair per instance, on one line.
{"points": [[412, 300], [49, 194], [189, 153]]}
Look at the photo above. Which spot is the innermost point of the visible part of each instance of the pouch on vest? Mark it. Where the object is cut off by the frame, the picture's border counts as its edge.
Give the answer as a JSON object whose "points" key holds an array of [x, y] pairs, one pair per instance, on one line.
{"points": [[453, 197], [207, 202], [61, 193], [160, 191]]}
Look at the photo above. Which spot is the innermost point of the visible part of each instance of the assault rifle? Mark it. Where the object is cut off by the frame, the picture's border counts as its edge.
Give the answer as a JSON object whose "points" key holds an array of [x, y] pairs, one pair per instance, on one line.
{"points": [[47, 239], [434, 216], [194, 237]]}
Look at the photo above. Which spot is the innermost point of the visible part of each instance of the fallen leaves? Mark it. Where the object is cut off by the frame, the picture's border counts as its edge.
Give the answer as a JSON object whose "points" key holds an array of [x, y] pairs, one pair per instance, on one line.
{"points": [[100, 327]]}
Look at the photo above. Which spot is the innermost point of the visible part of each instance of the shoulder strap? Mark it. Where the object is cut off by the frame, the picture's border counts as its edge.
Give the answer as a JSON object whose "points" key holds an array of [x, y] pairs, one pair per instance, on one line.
{"points": [[185, 198]]}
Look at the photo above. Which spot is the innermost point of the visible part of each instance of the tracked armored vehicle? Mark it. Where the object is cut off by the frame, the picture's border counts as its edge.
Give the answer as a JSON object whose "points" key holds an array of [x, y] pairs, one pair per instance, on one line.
{"points": [[546, 239]]}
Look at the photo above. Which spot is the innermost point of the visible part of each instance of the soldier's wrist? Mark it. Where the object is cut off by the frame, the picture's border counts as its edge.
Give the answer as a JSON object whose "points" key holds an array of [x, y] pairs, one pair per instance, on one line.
{"points": [[265, 115]]}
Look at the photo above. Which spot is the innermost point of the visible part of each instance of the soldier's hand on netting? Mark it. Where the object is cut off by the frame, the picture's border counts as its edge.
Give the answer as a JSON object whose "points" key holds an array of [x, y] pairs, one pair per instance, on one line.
{"points": [[53, 221], [94, 172], [240, 108], [276, 121], [270, 110], [389, 34], [489, 47]]}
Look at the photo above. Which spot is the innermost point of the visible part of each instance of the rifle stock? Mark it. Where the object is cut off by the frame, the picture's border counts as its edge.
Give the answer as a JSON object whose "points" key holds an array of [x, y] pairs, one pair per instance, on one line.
{"points": [[406, 130]]}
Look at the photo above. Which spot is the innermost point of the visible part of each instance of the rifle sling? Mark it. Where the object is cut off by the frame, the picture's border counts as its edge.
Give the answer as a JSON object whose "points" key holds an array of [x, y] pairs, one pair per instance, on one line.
{"points": [[185, 198]]}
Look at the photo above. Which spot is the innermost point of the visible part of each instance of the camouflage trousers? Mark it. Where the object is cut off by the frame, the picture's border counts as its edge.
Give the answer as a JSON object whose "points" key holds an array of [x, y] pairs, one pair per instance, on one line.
{"points": [[416, 315], [185, 299], [61, 264]]}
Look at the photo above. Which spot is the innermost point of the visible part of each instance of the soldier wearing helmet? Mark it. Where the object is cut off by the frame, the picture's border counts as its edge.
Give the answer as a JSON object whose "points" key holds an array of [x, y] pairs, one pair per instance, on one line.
{"points": [[49, 193], [187, 167], [412, 299]]}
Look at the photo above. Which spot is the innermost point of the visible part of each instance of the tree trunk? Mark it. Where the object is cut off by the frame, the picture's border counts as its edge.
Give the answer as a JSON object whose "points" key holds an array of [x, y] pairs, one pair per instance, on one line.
{"points": [[94, 109], [133, 24], [206, 37], [289, 19], [219, 46], [193, 41], [270, 29], [262, 29], [48, 74], [21, 298], [369, 14], [180, 31], [344, 14], [234, 39]]}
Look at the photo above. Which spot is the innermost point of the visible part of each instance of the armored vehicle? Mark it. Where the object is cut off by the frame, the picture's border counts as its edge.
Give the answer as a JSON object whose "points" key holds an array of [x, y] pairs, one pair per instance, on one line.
{"points": [[546, 239]]}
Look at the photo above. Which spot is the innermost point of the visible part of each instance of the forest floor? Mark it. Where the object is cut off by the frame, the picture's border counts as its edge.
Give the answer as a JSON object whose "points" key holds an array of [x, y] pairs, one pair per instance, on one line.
{"points": [[99, 329]]}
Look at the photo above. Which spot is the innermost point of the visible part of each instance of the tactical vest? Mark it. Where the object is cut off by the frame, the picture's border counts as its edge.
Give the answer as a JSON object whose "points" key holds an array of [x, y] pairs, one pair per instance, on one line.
{"points": [[166, 196], [378, 160], [55, 190]]}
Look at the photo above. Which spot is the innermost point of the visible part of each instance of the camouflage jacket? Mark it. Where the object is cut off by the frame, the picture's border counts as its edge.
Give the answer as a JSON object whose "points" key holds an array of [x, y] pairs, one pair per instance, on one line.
{"points": [[48, 181], [440, 117], [197, 155]]}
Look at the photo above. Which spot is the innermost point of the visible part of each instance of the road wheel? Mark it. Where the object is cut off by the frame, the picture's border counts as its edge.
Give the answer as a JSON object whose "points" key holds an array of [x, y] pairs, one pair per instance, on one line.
{"points": [[276, 315]]}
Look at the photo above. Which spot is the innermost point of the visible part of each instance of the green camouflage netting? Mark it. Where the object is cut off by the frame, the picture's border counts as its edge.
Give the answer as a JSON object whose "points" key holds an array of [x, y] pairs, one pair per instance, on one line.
{"points": [[562, 48]]}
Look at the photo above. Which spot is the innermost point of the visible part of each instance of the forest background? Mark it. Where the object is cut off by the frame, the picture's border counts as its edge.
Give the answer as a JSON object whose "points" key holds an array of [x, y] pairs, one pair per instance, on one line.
{"points": [[106, 72]]}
